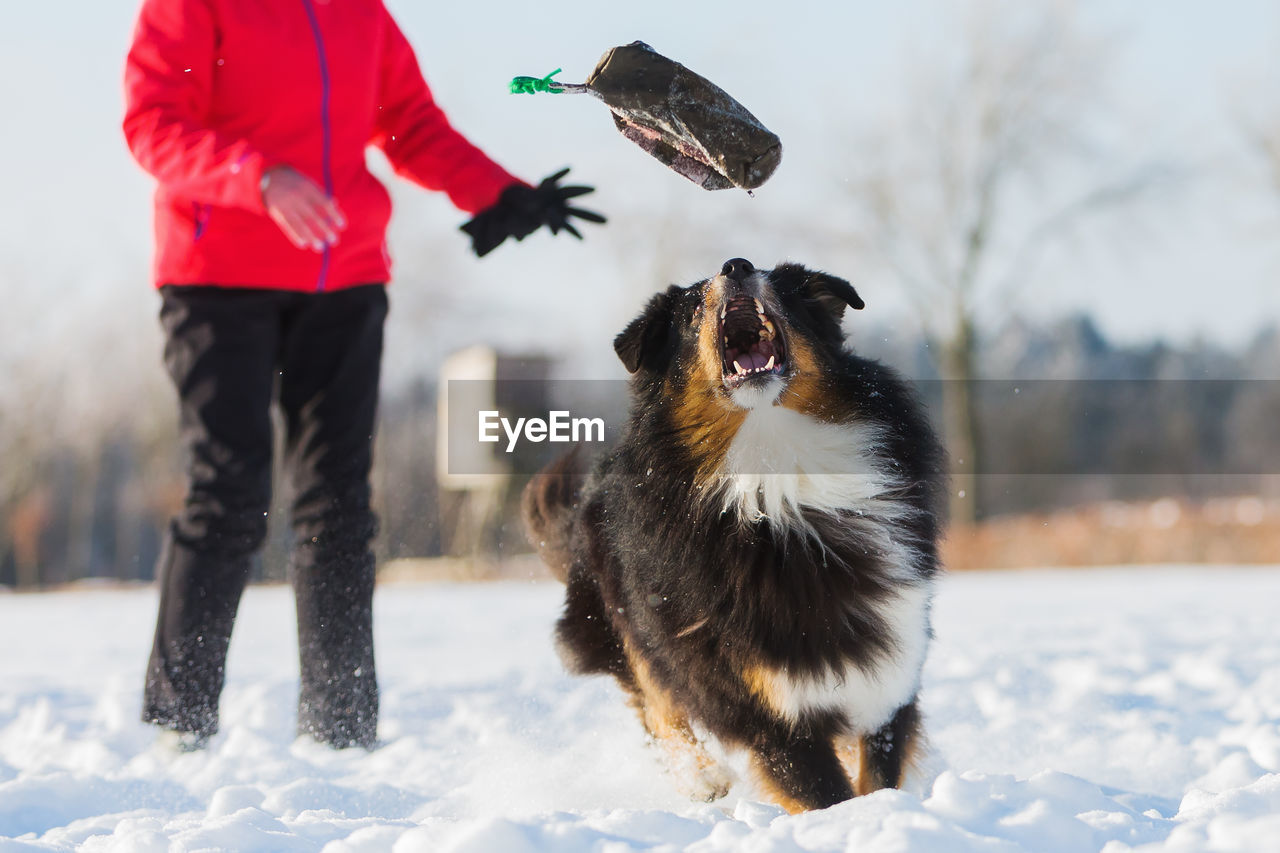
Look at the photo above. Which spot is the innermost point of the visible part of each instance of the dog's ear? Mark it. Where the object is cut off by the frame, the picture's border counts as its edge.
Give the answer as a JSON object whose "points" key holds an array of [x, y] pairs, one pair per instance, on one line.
{"points": [[832, 293], [646, 336]]}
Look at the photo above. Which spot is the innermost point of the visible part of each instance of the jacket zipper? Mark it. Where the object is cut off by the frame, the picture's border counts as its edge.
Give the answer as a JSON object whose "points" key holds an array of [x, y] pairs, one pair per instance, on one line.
{"points": [[325, 128], [201, 213]]}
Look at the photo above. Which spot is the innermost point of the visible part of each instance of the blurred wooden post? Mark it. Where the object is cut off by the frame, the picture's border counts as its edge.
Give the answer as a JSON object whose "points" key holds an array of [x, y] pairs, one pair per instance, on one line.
{"points": [[474, 478], [26, 526]]}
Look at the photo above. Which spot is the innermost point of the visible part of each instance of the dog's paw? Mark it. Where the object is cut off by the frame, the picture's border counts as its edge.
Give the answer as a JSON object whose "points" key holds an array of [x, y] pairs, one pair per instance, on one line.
{"points": [[694, 772], [705, 783]]}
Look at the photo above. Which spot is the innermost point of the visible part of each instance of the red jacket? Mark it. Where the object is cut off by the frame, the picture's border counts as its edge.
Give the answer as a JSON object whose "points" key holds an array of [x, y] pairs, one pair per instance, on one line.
{"points": [[219, 90]]}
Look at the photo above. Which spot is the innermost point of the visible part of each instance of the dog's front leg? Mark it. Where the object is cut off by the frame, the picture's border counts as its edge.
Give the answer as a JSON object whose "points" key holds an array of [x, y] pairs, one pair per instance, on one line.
{"points": [[881, 759], [800, 771], [693, 770]]}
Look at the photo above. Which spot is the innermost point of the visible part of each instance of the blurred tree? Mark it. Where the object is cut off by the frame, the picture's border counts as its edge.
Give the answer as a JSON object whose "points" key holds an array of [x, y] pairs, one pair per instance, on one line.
{"points": [[992, 158]]}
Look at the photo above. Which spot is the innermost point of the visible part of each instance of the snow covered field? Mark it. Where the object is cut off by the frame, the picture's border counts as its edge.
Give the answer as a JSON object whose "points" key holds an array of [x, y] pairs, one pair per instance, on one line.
{"points": [[1069, 711]]}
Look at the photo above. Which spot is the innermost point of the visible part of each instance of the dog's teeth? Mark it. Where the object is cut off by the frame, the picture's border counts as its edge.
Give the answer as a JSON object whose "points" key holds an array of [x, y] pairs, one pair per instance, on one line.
{"points": [[768, 365], [759, 307], [738, 367], [724, 310]]}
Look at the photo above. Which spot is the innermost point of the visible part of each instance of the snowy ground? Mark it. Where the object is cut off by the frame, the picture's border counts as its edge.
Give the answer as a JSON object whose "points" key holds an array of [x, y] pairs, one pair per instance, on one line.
{"points": [[1081, 711]]}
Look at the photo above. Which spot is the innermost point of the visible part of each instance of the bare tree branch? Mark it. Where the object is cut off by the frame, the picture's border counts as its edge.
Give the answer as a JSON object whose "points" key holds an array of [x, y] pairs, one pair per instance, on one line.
{"points": [[960, 195], [1129, 189]]}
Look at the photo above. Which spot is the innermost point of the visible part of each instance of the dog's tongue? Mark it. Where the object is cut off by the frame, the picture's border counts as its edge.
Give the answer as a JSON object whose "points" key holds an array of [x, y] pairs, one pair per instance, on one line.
{"points": [[758, 356]]}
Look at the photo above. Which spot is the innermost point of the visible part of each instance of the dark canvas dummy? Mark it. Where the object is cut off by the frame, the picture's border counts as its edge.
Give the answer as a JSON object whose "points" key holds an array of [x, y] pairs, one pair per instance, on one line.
{"points": [[684, 120]]}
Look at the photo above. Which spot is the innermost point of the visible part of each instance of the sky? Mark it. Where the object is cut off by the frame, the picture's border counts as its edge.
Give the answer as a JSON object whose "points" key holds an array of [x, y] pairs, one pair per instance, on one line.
{"points": [[75, 209]]}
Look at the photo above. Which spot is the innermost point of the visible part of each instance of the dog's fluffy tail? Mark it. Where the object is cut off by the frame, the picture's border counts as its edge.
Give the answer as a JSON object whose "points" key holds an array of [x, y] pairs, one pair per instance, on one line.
{"points": [[548, 506]]}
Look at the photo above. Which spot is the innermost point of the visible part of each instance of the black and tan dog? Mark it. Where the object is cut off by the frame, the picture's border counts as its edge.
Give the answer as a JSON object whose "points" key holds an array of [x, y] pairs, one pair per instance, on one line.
{"points": [[755, 558]]}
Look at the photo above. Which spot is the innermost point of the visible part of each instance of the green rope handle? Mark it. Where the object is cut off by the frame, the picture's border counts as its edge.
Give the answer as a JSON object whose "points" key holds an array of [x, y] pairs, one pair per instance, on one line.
{"points": [[530, 85]]}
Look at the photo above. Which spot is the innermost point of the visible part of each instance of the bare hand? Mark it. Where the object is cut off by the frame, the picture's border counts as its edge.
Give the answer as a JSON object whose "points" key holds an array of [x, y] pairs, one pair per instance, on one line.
{"points": [[307, 216]]}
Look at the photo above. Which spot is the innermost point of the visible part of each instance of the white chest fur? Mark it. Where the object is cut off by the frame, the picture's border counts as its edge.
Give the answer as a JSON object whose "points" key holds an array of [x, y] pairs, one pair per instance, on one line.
{"points": [[782, 462]]}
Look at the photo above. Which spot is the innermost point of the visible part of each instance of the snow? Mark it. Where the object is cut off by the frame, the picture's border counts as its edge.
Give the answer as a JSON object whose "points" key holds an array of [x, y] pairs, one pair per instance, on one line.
{"points": [[1099, 710]]}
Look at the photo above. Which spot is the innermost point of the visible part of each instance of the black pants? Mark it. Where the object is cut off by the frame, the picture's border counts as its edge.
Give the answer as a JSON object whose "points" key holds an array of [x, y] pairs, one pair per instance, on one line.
{"points": [[229, 353]]}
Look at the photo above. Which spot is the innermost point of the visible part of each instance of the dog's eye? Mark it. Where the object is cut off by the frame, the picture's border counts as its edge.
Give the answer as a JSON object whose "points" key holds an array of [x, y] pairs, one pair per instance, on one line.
{"points": [[697, 315]]}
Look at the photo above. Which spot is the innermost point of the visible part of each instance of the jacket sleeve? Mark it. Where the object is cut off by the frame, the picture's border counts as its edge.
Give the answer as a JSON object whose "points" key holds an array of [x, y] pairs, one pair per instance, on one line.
{"points": [[168, 86], [417, 138]]}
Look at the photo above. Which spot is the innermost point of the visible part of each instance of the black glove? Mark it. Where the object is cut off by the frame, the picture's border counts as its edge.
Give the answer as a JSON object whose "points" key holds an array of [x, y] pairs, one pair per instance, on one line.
{"points": [[521, 210]]}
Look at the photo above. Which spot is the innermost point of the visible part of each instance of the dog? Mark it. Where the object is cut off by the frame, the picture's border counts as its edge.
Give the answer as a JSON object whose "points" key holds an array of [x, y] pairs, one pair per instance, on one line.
{"points": [[755, 558]]}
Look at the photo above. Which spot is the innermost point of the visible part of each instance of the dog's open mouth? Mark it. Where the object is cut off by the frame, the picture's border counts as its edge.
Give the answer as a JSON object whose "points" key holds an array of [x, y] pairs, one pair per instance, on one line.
{"points": [[751, 342]]}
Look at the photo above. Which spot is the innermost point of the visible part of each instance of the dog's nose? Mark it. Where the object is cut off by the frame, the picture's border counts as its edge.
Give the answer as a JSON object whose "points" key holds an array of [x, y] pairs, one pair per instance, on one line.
{"points": [[737, 269]]}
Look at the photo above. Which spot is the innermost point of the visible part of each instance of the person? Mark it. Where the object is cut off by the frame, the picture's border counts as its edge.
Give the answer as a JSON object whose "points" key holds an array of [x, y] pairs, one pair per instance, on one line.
{"points": [[254, 117]]}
